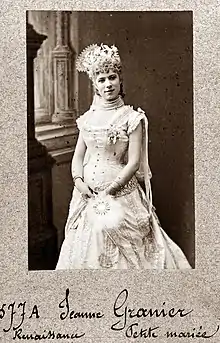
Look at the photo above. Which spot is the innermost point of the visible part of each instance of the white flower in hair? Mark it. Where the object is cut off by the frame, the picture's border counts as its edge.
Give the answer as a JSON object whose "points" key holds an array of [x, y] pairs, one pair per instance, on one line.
{"points": [[94, 59], [114, 49]]}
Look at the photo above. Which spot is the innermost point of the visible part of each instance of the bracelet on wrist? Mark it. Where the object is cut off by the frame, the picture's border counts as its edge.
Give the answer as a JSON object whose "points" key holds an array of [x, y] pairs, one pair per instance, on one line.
{"points": [[77, 177], [118, 185]]}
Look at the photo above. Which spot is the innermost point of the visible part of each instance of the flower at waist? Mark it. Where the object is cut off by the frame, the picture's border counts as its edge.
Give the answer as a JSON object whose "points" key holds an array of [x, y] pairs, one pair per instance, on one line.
{"points": [[105, 210]]}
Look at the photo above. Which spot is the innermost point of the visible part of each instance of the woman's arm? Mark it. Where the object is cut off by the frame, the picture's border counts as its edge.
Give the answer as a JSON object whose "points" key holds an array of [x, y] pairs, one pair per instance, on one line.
{"points": [[78, 157], [77, 167], [134, 153]]}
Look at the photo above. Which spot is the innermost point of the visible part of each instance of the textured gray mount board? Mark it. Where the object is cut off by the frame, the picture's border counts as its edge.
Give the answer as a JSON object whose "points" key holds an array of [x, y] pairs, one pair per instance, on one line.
{"points": [[197, 290]]}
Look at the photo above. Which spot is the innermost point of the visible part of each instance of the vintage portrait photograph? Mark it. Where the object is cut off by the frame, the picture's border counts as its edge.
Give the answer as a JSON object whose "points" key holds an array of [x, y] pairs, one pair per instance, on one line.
{"points": [[109, 171], [110, 140]]}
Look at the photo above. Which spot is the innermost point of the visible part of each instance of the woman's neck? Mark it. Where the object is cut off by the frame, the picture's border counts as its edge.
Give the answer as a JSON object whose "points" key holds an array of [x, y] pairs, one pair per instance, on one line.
{"points": [[100, 103]]}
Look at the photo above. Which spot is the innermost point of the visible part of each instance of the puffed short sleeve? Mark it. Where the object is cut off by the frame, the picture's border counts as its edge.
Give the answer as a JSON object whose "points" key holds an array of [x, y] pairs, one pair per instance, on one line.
{"points": [[134, 119], [80, 121]]}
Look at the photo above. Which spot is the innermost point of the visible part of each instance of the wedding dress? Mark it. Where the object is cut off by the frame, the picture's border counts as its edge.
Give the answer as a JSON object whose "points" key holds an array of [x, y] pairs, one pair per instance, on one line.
{"points": [[120, 232]]}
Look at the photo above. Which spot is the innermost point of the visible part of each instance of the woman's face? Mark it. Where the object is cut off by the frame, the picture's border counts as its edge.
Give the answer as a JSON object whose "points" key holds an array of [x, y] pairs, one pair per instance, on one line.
{"points": [[108, 85]]}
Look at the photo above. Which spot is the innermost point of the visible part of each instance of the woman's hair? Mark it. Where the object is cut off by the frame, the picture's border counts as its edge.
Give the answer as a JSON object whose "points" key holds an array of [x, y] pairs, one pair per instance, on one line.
{"points": [[122, 93], [99, 59]]}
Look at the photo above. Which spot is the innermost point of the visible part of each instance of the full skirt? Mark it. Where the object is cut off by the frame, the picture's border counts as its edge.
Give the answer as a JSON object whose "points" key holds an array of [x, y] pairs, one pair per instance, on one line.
{"points": [[121, 235]]}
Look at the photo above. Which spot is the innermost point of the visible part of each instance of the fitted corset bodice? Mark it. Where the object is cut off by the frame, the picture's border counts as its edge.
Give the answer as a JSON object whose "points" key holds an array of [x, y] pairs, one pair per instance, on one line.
{"points": [[103, 160], [107, 144]]}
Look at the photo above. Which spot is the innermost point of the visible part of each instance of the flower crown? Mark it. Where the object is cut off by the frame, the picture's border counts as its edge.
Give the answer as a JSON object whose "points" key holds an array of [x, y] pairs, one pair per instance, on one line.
{"points": [[95, 59]]}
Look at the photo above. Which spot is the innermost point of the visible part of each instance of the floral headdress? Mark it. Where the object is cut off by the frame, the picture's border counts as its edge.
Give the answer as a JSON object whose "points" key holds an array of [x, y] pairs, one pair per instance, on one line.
{"points": [[95, 59]]}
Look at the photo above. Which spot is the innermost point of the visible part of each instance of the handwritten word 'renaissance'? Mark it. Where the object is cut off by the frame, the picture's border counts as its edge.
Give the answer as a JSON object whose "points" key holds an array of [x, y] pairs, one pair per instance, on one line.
{"points": [[68, 313], [122, 311], [18, 334]]}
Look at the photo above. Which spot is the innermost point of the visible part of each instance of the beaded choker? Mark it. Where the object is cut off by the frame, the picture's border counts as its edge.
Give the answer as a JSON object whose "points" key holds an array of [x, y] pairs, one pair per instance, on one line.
{"points": [[100, 103]]}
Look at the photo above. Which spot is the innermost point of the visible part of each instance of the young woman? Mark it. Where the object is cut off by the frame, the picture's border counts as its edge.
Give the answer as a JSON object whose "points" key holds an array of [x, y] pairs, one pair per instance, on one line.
{"points": [[111, 222]]}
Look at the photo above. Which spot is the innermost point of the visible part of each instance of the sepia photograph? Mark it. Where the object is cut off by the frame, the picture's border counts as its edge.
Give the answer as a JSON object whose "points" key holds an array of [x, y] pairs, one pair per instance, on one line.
{"points": [[109, 171], [110, 140]]}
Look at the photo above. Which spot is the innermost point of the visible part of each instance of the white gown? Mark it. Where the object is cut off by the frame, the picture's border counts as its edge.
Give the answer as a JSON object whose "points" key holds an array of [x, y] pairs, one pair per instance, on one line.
{"points": [[121, 232]]}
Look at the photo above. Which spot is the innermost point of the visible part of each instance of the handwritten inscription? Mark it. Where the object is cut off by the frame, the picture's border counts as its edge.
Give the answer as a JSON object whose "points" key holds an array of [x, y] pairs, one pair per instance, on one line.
{"points": [[71, 314], [126, 314], [122, 311], [18, 334], [17, 313], [134, 331], [132, 322], [201, 333]]}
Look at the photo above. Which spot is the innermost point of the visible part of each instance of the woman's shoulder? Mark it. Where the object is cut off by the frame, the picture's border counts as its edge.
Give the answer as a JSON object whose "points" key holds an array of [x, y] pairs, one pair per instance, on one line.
{"points": [[134, 112], [135, 116], [82, 119]]}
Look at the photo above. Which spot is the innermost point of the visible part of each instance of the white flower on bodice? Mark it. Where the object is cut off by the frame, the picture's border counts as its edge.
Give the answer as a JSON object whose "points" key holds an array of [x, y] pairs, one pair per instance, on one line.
{"points": [[113, 134]]}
